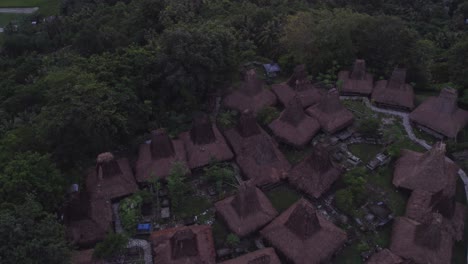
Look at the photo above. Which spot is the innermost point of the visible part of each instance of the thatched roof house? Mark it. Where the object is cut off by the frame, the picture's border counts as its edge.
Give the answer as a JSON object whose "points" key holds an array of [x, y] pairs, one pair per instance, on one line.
{"points": [[157, 158], [315, 174], [385, 256], [304, 236], [394, 93], [257, 154], [182, 245], [429, 171], [293, 126], [84, 257], [358, 81], [251, 94], [204, 143], [298, 85], [330, 113], [111, 179], [422, 205], [261, 256], [247, 211], [441, 114], [421, 242]]}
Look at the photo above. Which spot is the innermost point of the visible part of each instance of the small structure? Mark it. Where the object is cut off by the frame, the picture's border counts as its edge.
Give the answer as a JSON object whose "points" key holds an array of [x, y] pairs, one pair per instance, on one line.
{"points": [[429, 171], [181, 245], [144, 228], [304, 236], [293, 126], [261, 256], [315, 174], [250, 95], [441, 114], [84, 257], [257, 153], [394, 93], [204, 143], [155, 159], [331, 114], [298, 85], [421, 242], [422, 205], [385, 256], [247, 211], [271, 69], [358, 81], [379, 160]]}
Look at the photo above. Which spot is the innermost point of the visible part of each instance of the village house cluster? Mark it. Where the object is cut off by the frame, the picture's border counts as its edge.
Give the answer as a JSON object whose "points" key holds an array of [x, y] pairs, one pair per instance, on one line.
{"points": [[301, 234]]}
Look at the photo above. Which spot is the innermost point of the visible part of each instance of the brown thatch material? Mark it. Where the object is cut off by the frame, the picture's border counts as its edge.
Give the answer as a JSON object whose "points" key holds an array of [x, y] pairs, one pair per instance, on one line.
{"points": [[423, 205], [257, 155], [250, 95], [158, 157], [441, 114], [331, 114], [293, 126], [358, 81], [204, 143], [247, 211], [429, 171], [315, 174], [385, 256], [394, 93], [84, 257], [422, 243], [304, 236], [112, 179], [299, 86], [182, 245], [261, 256]]}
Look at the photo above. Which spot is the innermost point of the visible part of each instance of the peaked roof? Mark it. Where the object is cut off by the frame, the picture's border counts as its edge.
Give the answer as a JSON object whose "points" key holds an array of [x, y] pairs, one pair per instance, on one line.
{"points": [[261, 256], [161, 145], [303, 221], [184, 244], [299, 76], [385, 256], [246, 202], [358, 81], [202, 132], [247, 125], [294, 112], [441, 114], [394, 92]]}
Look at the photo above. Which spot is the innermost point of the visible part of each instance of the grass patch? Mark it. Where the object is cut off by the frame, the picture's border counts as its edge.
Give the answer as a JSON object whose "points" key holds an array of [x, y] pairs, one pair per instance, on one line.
{"points": [[424, 136], [283, 197], [192, 206], [46, 7], [220, 232], [365, 152], [349, 255], [7, 18]]}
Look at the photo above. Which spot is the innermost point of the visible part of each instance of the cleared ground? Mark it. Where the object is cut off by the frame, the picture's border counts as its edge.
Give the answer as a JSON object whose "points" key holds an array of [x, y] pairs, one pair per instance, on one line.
{"points": [[46, 8]]}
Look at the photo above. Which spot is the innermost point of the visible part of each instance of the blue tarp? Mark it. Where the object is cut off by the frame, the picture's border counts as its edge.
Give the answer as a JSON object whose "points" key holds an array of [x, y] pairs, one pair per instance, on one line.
{"points": [[273, 67], [144, 227]]}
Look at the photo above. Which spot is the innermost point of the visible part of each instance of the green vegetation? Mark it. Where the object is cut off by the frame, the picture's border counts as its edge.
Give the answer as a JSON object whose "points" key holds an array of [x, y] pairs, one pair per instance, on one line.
{"points": [[6, 18], [267, 115], [282, 197], [113, 246], [178, 188], [232, 240], [227, 119], [130, 210], [368, 126], [46, 7], [220, 174], [365, 152], [220, 233], [294, 155], [354, 194], [191, 206]]}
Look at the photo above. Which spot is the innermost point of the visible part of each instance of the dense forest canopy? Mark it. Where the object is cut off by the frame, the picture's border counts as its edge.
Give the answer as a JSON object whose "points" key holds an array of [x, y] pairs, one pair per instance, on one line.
{"points": [[100, 74]]}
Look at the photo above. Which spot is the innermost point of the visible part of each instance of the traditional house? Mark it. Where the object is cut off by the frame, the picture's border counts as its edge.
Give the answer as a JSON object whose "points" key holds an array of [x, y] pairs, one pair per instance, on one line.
{"points": [[84, 257], [182, 245], [247, 211], [422, 205], [356, 82], [304, 236], [251, 94], [298, 85], [315, 174], [394, 93], [330, 113], [440, 116], [155, 159], [293, 126], [385, 256], [261, 256], [257, 154], [204, 143], [421, 242], [430, 171]]}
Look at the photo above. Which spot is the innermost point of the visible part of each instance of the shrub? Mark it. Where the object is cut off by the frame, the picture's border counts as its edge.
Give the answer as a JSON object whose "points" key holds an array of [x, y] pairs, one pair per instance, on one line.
{"points": [[113, 246], [344, 200], [227, 119], [130, 212], [267, 115], [232, 240], [368, 126], [219, 173], [176, 185]]}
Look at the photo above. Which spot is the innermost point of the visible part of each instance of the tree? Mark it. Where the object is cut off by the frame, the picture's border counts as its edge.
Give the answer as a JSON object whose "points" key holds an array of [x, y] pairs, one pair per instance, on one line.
{"points": [[344, 200], [219, 173], [368, 126], [112, 247], [232, 240], [176, 185]]}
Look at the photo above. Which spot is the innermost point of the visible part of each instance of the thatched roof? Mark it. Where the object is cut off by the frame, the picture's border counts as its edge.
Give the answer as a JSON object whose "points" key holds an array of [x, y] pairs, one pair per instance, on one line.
{"points": [[182, 245], [330, 113], [257, 154], [247, 211], [395, 92], [304, 236], [293, 126], [421, 242], [158, 157], [384, 256], [315, 174], [250, 95], [84, 257], [204, 143], [441, 114], [358, 81], [261, 256], [423, 205], [429, 171]]}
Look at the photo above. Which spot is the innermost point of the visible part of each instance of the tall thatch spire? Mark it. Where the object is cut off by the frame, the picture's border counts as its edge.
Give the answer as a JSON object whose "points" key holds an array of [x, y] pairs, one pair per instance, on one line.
{"points": [[248, 124], [443, 204], [246, 201], [299, 76], [319, 159], [447, 101], [432, 163], [398, 79], [161, 145], [264, 152], [202, 131], [294, 112], [107, 165], [303, 221], [331, 103], [359, 70], [429, 233], [252, 85], [184, 244]]}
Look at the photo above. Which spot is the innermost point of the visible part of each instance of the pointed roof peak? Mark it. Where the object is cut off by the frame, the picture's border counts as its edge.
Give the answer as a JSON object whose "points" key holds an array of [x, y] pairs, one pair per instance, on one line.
{"points": [[107, 165], [303, 220], [252, 85], [202, 132], [184, 244], [429, 233], [359, 70], [398, 78], [161, 144], [294, 112], [248, 124], [299, 76], [246, 202], [331, 103]]}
